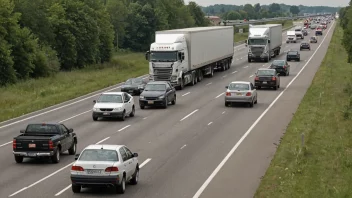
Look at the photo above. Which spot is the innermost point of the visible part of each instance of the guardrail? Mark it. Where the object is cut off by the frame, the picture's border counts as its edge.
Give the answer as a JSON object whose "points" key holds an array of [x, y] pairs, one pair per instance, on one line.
{"points": [[238, 23], [242, 42]]}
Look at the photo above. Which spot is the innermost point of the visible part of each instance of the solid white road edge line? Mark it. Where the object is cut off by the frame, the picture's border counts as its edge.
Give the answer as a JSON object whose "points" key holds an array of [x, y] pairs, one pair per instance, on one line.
{"points": [[188, 115], [69, 186], [222, 163]]}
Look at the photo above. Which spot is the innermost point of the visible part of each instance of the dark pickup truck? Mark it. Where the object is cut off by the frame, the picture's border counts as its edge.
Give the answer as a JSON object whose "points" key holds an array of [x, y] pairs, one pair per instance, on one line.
{"points": [[44, 140]]}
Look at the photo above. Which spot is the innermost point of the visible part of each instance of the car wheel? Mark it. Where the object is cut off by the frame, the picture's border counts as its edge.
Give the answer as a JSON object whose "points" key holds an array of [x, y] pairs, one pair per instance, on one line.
{"points": [[284, 74], [275, 88], [76, 188], [259, 87], [123, 117], [256, 100], [174, 101], [227, 104], [142, 107], [251, 104], [18, 159], [95, 118], [135, 177], [56, 157], [121, 188], [133, 112], [72, 149], [166, 103]]}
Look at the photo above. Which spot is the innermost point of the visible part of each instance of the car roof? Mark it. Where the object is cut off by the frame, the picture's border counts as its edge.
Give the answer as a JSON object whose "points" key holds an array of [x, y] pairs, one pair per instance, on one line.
{"points": [[266, 69], [158, 82], [113, 93], [45, 123], [104, 146], [241, 82]]}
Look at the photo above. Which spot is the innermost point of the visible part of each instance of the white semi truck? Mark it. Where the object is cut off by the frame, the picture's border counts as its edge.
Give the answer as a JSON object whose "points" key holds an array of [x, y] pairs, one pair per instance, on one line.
{"points": [[184, 56], [264, 42]]}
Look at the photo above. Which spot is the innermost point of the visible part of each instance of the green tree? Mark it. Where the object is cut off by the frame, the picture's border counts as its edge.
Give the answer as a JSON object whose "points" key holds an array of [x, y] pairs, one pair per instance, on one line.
{"points": [[249, 9], [118, 12], [294, 10], [274, 8], [257, 7], [233, 15], [243, 14], [197, 14]]}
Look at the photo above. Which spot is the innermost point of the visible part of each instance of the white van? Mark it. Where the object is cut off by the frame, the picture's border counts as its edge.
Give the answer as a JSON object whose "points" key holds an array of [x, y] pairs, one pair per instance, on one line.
{"points": [[291, 37]]}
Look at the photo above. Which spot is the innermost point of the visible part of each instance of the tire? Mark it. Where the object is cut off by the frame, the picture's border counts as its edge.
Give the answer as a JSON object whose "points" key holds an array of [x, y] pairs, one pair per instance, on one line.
{"points": [[251, 104], [174, 101], [76, 188], [142, 107], [259, 87], [212, 72], [123, 117], [133, 111], [18, 159], [182, 85], [95, 118], [227, 104], [284, 74], [166, 103], [73, 148], [249, 60], [56, 157], [278, 86], [256, 100], [275, 88], [135, 177], [121, 188]]}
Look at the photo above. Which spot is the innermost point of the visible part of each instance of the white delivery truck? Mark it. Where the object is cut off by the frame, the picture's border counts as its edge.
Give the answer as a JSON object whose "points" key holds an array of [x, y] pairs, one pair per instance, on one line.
{"points": [[298, 31], [291, 37], [264, 42], [184, 56]]}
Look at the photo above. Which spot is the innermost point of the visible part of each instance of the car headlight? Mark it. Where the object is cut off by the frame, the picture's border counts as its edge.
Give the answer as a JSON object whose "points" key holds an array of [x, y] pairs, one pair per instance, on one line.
{"points": [[141, 97], [161, 97], [117, 109], [95, 109]]}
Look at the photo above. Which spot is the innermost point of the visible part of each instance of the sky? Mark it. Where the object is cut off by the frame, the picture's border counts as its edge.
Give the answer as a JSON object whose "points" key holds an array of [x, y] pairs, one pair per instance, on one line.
{"points": [[332, 3]]}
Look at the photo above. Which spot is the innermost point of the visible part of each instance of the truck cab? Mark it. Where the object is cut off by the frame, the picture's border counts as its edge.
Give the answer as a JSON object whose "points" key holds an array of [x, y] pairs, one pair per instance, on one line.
{"points": [[299, 33], [291, 37]]}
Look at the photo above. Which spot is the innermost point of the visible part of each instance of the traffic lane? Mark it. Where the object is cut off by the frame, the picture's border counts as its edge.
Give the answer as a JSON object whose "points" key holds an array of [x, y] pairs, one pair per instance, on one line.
{"points": [[241, 174]]}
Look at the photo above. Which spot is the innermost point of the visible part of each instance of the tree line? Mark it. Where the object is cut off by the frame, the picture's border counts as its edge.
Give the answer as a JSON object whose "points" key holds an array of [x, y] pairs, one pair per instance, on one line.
{"points": [[345, 15], [38, 38]]}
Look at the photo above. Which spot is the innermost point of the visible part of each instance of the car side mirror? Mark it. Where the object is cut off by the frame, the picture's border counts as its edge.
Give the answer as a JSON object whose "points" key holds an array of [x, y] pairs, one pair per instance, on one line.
{"points": [[22, 131], [94, 101], [77, 156], [135, 154], [226, 87], [70, 130]]}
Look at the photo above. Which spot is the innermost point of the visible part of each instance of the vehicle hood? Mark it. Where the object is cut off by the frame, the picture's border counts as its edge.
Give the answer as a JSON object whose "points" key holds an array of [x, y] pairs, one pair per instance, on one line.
{"points": [[152, 93], [107, 105]]}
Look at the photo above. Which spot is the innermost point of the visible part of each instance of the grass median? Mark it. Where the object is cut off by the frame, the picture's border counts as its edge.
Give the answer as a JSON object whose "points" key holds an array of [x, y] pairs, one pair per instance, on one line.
{"points": [[243, 36], [322, 166], [32, 95]]}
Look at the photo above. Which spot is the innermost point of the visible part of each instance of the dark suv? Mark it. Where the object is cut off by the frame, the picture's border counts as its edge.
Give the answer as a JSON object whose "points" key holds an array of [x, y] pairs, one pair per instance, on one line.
{"points": [[304, 46], [157, 93], [293, 55]]}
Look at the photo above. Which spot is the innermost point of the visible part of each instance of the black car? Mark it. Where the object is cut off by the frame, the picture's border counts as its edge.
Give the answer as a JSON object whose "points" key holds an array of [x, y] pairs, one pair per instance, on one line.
{"points": [[134, 86], [293, 55], [268, 78], [281, 67], [305, 32], [44, 140], [305, 46], [157, 93]]}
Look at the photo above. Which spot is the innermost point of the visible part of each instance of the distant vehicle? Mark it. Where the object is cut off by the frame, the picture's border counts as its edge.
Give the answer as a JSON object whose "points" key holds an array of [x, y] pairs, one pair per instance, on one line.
{"points": [[293, 55], [44, 140], [264, 42], [267, 78], [291, 37], [318, 31], [158, 93], [133, 86], [241, 92], [281, 67], [305, 32], [105, 165], [313, 39], [113, 105], [299, 33], [183, 56], [304, 46], [313, 26]]}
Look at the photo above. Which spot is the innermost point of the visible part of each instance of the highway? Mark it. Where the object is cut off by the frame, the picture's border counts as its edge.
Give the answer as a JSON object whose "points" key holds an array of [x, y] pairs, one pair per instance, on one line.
{"points": [[196, 148]]}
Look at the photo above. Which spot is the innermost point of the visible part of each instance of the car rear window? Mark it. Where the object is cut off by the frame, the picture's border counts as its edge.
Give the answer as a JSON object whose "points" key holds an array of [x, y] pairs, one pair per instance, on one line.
{"points": [[278, 63], [292, 53], [99, 155], [42, 128], [239, 86], [266, 72]]}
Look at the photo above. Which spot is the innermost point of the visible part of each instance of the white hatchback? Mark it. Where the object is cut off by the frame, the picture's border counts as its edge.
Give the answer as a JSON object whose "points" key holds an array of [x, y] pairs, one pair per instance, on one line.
{"points": [[113, 105], [105, 165]]}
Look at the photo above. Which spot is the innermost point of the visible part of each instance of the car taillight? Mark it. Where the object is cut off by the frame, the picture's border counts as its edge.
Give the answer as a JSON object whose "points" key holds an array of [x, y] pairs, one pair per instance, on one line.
{"points": [[112, 169], [14, 144], [256, 78], [274, 78], [228, 94], [284, 67], [77, 168], [51, 144], [248, 94]]}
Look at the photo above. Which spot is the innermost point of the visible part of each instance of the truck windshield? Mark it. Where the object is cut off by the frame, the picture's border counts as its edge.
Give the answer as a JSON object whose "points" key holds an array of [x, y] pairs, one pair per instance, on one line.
{"points": [[163, 56], [257, 41], [42, 128]]}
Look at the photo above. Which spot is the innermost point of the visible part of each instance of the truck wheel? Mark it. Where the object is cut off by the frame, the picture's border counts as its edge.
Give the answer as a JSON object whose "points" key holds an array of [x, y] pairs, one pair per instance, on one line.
{"points": [[76, 188], [229, 63], [56, 157], [200, 76], [72, 149], [211, 72], [18, 159], [182, 85], [193, 80]]}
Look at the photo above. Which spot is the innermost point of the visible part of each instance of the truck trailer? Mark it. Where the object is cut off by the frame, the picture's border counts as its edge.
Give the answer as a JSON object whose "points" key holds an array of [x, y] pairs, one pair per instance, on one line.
{"points": [[184, 56], [264, 42]]}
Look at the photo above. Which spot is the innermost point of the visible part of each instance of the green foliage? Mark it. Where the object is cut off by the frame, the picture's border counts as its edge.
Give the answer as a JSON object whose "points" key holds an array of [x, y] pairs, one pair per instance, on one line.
{"points": [[294, 10], [345, 15]]}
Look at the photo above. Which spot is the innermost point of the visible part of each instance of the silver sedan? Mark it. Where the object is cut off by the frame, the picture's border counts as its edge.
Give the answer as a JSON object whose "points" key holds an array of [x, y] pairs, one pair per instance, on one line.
{"points": [[241, 92], [105, 165]]}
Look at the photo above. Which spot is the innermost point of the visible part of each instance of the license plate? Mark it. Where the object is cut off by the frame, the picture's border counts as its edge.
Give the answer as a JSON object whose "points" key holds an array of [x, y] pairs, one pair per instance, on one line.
{"points": [[239, 94], [131, 91], [32, 154], [93, 171], [264, 82], [106, 113], [31, 145], [150, 102]]}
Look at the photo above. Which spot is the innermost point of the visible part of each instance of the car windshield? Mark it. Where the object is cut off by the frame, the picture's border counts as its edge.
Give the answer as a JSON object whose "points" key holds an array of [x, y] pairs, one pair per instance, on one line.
{"points": [[265, 72], [312, 38], [155, 87], [42, 128], [110, 98], [99, 155], [292, 53], [134, 81], [278, 62], [238, 86]]}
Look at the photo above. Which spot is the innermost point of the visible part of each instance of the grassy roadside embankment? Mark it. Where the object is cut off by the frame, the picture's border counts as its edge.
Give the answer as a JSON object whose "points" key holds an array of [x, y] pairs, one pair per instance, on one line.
{"points": [[36, 94], [322, 166], [241, 37]]}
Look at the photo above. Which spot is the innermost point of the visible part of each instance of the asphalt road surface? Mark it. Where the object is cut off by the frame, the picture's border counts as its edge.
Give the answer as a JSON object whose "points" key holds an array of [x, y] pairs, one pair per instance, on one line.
{"points": [[196, 148]]}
